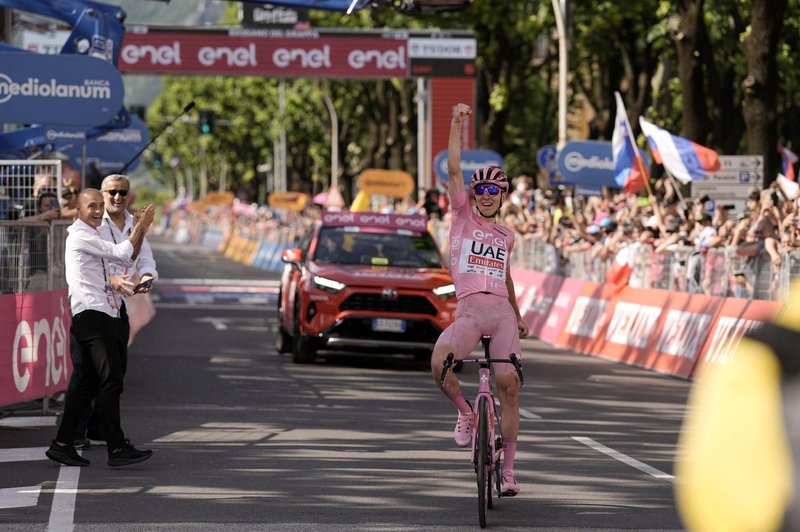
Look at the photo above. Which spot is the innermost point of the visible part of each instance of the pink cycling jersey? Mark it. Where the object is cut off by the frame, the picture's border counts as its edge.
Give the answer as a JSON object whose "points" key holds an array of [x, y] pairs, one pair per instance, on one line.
{"points": [[479, 251]]}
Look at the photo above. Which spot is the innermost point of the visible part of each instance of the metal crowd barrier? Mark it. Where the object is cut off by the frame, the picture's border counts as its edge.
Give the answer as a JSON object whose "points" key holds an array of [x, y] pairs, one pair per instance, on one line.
{"points": [[32, 256], [683, 269]]}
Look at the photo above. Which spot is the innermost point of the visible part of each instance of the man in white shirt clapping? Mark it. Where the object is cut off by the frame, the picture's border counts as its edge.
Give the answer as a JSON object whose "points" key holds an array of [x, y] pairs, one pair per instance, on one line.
{"points": [[95, 308], [116, 226]]}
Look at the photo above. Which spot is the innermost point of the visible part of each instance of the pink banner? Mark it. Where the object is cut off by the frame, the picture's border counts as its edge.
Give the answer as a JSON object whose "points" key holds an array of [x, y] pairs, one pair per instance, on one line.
{"points": [[411, 222], [34, 346], [258, 53], [545, 301]]}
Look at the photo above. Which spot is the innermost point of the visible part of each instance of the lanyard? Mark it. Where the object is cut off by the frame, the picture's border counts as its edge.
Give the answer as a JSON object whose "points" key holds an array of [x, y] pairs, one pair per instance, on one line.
{"points": [[109, 290]]}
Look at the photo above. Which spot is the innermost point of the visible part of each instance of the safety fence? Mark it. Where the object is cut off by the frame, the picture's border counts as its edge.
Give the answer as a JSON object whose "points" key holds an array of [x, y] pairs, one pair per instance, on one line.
{"points": [[676, 313], [35, 358], [717, 271], [251, 246], [22, 181], [32, 256]]}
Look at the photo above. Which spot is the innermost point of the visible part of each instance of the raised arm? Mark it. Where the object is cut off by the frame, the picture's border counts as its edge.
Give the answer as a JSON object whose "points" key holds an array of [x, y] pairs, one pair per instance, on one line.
{"points": [[455, 177], [142, 221]]}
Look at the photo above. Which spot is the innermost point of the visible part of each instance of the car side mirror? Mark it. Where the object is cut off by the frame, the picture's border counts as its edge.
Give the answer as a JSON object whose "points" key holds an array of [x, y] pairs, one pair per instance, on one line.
{"points": [[292, 256]]}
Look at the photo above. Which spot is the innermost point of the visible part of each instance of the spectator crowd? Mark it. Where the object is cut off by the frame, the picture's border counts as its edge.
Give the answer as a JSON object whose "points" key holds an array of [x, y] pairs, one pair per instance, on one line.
{"points": [[598, 234]]}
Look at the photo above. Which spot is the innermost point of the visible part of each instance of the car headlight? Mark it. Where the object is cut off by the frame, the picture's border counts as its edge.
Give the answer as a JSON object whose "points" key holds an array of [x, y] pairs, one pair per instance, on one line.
{"points": [[329, 285], [448, 290]]}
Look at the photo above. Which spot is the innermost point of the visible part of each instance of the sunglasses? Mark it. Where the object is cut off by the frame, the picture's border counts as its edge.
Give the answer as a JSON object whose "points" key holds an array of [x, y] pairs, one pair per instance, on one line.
{"points": [[493, 190], [113, 193]]}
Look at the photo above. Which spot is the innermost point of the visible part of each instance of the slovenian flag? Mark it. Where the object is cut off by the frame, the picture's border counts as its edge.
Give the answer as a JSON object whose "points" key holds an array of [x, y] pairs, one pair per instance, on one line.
{"points": [[788, 160], [627, 172], [684, 159]]}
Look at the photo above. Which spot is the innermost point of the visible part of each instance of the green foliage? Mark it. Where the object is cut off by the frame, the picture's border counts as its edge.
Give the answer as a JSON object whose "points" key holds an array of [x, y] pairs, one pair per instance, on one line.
{"points": [[146, 195], [615, 46]]}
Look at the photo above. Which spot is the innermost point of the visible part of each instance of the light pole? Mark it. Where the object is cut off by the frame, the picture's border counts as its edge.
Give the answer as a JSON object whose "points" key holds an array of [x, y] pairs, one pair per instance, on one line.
{"points": [[281, 165], [559, 8], [423, 146], [334, 141]]}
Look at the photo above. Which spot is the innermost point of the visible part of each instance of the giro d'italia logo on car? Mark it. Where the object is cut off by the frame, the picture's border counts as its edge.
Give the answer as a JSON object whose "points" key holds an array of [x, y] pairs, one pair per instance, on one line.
{"points": [[91, 89]]}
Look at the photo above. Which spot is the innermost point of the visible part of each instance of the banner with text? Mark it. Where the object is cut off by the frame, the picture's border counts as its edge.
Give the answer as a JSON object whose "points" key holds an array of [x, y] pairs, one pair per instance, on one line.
{"points": [[306, 53], [736, 318], [34, 346]]}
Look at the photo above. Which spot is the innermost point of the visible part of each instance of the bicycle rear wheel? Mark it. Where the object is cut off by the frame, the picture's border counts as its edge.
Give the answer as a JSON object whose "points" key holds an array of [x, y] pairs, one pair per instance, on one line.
{"points": [[482, 460]]}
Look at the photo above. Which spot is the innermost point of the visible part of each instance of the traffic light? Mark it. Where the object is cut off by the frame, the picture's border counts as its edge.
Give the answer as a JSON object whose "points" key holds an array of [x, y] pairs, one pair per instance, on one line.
{"points": [[205, 121], [138, 110], [157, 161]]}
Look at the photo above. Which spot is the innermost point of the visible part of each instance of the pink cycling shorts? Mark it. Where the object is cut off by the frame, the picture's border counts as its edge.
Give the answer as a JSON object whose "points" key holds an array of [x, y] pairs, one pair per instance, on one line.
{"points": [[484, 314]]}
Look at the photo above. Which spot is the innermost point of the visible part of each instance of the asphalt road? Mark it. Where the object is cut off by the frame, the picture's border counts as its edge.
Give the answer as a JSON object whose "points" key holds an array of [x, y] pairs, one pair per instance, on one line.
{"points": [[246, 440]]}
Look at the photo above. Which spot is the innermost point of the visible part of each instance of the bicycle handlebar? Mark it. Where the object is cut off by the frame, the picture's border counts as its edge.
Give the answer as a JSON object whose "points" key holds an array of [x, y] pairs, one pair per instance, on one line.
{"points": [[512, 359]]}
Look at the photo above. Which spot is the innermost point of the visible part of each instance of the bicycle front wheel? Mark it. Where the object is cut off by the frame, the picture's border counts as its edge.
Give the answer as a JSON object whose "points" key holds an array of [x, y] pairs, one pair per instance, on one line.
{"points": [[482, 459]]}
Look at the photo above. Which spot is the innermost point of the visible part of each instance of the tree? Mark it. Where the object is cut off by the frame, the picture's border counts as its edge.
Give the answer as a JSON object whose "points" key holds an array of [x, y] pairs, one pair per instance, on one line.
{"points": [[761, 85]]}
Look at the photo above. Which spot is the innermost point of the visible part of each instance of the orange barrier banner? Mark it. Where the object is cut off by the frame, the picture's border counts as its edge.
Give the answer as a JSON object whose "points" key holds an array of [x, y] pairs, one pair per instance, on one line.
{"points": [[735, 318], [658, 330], [654, 329]]}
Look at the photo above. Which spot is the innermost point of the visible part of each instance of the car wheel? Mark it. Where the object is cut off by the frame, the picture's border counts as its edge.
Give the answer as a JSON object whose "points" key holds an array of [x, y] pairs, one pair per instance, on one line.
{"points": [[304, 350], [283, 342]]}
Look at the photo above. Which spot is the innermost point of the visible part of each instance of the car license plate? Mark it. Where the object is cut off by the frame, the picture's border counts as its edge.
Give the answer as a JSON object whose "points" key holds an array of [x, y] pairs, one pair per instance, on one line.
{"points": [[388, 325]]}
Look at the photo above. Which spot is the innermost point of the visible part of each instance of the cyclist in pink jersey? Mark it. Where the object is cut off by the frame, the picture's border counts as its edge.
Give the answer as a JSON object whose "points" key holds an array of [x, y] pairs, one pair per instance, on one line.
{"points": [[480, 251]]}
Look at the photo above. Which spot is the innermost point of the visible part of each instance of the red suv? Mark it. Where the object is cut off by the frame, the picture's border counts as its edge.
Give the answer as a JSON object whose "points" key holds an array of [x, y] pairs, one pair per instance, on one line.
{"points": [[364, 282]]}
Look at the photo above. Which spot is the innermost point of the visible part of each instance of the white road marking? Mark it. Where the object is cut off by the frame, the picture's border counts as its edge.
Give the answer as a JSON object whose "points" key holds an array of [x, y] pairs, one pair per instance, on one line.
{"points": [[28, 421], [652, 471], [62, 513], [220, 282], [23, 454], [529, 415], [19, 497], [522, 412], [218, 323], [207, 306]]}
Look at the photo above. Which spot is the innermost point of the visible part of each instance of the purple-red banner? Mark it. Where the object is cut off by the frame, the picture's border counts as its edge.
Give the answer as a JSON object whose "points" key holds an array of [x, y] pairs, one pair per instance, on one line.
{"points": [[34, 345], [257, 53]]}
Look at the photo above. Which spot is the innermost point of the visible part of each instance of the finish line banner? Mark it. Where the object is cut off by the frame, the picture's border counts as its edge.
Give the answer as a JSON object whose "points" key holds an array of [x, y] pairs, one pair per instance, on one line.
{"points": [[296, 53]]}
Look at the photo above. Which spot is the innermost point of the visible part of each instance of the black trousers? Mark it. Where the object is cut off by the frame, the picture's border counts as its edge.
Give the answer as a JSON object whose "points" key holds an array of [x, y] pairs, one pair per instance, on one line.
{"points": [[100, 373], [89, 421]]}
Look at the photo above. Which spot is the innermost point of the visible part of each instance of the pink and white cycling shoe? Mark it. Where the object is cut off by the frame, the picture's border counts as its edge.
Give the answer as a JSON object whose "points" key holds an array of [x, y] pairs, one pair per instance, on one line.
{"points": [[508, 485], [463, 431]]}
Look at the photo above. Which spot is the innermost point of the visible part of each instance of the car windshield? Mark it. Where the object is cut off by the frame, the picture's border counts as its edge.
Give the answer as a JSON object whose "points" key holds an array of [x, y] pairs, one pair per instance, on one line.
{"points": [[336, 245]]}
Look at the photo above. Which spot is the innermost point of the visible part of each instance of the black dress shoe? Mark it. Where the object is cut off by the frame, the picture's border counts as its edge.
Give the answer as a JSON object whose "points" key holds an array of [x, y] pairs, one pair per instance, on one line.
{"points": [[127, 455], [66, 455]]}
